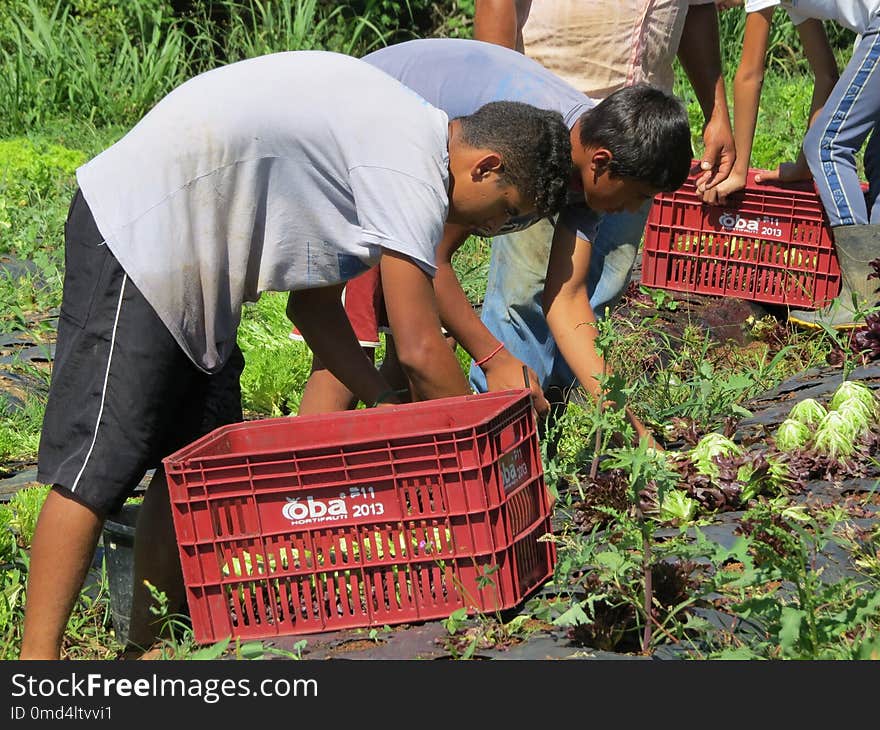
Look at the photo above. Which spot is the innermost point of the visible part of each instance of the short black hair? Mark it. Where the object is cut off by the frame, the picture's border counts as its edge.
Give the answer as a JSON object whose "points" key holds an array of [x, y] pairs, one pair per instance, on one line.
{"points": [[647, 131], [534, 145]]}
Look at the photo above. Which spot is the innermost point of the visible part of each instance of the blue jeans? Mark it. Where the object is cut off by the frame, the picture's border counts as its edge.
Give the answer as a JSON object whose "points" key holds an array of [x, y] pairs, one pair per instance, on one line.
{"points": [[851, 113], [517, 271]]}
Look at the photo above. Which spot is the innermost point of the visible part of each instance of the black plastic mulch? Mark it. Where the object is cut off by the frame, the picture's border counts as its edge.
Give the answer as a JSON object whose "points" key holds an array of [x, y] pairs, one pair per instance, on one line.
{"points": [[19, 345]]}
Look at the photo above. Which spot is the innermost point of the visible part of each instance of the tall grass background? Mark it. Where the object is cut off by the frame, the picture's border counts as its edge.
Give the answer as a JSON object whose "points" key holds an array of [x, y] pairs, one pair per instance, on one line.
{"points": [[110, 65], [106, 62]]}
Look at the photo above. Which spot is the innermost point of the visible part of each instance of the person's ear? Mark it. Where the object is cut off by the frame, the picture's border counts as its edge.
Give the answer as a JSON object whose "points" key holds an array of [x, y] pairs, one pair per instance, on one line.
{"points": [[485, 165], [600, 160]]}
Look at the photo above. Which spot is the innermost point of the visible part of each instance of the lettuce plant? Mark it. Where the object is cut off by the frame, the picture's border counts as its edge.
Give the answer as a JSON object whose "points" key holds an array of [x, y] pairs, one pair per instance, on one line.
{"points": [[809, 412], [851, 390], [678, 506], [857, 416], [792, 434], [866, 340], [708, 448], [836, 435]]}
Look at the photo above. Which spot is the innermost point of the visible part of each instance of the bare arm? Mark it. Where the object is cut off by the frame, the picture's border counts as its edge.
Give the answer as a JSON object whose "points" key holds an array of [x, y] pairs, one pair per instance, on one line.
{"points": [[501, 22], [571, 318], [428, 361], [321, 319], [456, 311], [746, 96], [822, 62], [824, 67], [503, 371], [700, 54]]}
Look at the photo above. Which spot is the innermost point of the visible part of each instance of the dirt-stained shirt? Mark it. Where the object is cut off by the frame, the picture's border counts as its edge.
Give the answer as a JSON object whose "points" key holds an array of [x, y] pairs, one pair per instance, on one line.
{"points": [[283, 172]]}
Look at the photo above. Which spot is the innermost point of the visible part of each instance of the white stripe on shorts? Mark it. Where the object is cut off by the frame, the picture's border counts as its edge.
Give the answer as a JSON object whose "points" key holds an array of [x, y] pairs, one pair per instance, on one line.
{"points": [[104, 388]]}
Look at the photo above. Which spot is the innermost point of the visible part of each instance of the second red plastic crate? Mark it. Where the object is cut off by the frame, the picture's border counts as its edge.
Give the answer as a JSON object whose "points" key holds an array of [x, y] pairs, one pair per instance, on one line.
{"points": [[770, 243], [362, 518]]}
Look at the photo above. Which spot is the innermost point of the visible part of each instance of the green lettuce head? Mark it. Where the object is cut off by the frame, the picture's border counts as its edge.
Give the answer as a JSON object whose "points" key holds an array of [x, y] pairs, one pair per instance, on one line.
{"points": [[707, 448], [836, 435], [809, 412], [678, 506], [852, 390], [792, 434], [857, 416]]}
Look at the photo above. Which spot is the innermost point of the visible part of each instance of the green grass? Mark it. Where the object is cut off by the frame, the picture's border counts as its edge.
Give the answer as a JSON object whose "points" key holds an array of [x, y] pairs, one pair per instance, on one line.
{"points": [[20, 430], [471, 265]]}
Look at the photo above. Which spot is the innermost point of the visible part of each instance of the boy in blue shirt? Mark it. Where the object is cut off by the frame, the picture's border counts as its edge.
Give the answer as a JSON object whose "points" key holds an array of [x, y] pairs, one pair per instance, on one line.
{"points": [[625, 149]]}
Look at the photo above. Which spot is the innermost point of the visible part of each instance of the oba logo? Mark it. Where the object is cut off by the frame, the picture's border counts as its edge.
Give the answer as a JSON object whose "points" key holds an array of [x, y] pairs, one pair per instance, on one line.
{"points": [[513, 469], [315, 509], [737, 223]]}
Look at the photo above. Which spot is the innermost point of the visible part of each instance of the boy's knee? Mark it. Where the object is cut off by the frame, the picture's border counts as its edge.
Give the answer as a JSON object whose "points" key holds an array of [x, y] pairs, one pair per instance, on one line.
{"points": [[815, 148], [812, 145]]}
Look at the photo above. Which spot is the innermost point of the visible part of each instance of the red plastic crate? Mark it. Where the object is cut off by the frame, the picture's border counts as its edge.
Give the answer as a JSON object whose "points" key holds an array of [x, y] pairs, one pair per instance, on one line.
{"points": [[369, 517], [770, 243]]}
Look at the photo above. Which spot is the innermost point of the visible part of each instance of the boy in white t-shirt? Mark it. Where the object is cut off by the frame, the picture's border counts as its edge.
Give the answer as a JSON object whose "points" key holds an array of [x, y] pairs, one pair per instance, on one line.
{"points": [[845, 111], [245, 179]]}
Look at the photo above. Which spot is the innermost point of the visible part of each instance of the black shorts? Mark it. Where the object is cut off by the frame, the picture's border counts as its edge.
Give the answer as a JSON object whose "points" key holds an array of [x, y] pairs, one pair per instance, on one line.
{"points": [[123, 394]]}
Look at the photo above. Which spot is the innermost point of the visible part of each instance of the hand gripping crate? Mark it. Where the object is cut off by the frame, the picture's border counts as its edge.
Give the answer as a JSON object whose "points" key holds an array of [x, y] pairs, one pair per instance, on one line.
{"points": [[363, 518], [770, 243]]}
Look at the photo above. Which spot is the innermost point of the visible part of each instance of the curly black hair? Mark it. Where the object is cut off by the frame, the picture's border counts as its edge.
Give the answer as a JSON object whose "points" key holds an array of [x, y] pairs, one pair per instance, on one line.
{"points": [[648, 133], [534, 146]]}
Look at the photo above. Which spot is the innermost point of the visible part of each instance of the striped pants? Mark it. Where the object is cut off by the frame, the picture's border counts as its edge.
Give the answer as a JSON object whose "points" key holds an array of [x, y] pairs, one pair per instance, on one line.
{"points": [[850, 115]]}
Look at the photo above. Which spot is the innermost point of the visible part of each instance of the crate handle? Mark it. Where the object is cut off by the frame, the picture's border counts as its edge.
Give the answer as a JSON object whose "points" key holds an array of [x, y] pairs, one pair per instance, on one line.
{"points": [[527, 384]]}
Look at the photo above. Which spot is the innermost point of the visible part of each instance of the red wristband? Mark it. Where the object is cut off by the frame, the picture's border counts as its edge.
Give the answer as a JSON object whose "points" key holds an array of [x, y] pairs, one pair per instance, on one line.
{"points": [[483, 361]]}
